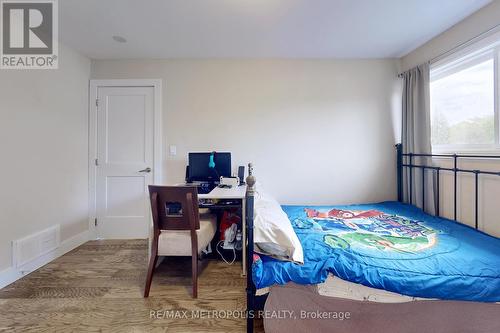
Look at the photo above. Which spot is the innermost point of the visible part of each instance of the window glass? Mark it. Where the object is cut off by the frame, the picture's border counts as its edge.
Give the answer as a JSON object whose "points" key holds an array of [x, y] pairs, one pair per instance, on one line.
{"points": [[463, 104]]}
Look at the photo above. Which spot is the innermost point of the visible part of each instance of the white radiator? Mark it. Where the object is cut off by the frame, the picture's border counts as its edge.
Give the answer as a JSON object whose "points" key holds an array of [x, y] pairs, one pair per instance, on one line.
{"points": [[29, 248]]}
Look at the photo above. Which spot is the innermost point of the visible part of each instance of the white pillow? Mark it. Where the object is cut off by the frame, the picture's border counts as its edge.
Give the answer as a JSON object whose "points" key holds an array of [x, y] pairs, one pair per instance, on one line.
{"points": [[273, 233]]}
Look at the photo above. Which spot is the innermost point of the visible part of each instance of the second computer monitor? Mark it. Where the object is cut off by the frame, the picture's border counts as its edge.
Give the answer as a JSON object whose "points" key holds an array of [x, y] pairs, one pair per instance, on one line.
{"points": [[202, 170]]}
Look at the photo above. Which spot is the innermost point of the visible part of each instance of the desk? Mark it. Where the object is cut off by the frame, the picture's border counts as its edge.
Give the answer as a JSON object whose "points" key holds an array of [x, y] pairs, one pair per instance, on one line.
{"points": [[236, 193]]}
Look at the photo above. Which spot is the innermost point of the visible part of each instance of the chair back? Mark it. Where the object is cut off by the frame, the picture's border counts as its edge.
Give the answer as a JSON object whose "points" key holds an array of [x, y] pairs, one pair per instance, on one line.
{"points": [[174, 207]]}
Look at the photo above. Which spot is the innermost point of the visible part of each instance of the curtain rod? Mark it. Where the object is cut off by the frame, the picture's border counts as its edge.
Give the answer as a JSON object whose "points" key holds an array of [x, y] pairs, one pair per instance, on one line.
{"points": [[462, 45]]}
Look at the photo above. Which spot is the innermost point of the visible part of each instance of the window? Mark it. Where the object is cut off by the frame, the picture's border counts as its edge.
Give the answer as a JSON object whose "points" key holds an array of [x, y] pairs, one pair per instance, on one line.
{"points": [[464, 100]]}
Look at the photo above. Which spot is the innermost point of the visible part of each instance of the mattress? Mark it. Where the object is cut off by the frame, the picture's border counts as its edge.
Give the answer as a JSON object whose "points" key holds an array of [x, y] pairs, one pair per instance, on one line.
{"points": [[388, 246], [336, 287]]}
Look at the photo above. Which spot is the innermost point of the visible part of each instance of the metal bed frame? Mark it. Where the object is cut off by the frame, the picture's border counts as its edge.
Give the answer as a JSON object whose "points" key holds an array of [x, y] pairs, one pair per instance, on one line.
{"points": [[404, 160]]}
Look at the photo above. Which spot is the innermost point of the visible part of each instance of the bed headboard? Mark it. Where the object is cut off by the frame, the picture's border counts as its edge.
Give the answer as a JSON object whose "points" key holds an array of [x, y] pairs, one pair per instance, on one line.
{"points": [[408, 161]]}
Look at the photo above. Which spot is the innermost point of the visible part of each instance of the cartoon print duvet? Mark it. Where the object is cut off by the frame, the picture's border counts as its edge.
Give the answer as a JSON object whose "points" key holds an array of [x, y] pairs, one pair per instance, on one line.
{"points": [[390, 246]]}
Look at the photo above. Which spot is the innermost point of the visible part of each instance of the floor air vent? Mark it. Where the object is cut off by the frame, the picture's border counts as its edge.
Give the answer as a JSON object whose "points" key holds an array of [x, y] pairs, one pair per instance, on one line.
{"points": [[29, 248]]}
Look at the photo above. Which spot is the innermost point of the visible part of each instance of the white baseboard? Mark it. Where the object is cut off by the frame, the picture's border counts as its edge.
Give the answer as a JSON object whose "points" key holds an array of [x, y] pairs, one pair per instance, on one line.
{"points": [[11, 274]]}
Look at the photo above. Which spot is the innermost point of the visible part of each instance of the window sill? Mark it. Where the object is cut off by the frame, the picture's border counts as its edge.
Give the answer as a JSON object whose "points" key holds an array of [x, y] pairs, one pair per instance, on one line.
{"points": [[460, 150]]}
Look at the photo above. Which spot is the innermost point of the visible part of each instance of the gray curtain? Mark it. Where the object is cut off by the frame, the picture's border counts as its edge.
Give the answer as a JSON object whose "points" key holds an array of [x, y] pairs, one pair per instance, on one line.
{"points": [[416, 133]]}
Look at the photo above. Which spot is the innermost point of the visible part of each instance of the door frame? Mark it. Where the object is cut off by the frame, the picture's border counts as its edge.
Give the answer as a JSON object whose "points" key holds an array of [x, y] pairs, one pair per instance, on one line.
{"points": [[156, 84]]}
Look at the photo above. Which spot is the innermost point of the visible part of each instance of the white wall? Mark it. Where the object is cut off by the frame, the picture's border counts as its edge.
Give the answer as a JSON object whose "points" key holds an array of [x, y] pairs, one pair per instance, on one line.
{"points": [[44, 150], [317, 131], [489, 186], [479, 22]]}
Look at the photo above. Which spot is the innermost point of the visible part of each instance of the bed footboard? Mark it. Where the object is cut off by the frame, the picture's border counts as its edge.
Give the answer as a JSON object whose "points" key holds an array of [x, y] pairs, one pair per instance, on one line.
{"points": [[250, 195]]}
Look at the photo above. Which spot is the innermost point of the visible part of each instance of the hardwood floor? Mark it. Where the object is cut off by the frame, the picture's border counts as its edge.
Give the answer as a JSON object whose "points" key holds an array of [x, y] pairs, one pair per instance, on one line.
{"points": [[98, 288]]}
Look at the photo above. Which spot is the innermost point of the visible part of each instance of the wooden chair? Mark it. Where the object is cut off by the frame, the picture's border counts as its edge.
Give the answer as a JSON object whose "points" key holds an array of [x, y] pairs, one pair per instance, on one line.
{"points": [[178, 228]]}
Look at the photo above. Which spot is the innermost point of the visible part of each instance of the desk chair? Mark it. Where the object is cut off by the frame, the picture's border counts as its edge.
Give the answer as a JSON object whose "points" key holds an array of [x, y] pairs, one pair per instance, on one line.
{"points": [[178, 228]]}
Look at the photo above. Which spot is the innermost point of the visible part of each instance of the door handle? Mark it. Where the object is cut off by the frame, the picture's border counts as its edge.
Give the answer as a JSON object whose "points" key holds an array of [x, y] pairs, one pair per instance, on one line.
{"points": [[147, 170]]}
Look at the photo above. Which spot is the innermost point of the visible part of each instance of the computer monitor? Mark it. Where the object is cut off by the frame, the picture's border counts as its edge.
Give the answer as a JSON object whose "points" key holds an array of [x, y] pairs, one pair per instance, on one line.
{"points": [[200, 170]]}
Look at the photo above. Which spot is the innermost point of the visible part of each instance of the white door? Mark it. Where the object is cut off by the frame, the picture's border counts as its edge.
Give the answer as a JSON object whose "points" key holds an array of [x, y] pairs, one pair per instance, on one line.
{"points": [[125, 135]]}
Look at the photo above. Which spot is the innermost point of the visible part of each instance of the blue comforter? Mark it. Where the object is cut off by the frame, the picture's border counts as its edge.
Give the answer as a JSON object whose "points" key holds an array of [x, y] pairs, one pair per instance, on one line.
{"points": [[391, 246]]}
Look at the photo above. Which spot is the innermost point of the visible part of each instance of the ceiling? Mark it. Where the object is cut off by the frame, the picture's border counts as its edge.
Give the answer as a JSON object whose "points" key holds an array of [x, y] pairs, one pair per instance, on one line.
{"points": [[256, 28]]}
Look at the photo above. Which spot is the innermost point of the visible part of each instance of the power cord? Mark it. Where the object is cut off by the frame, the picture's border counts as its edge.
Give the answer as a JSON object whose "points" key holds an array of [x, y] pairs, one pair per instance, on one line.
{"points": [[222, 256]]}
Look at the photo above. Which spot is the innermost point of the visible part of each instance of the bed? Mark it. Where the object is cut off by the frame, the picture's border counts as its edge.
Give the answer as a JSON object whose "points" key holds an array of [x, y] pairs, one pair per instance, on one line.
{"points": [[376, 260], [390, 246]]}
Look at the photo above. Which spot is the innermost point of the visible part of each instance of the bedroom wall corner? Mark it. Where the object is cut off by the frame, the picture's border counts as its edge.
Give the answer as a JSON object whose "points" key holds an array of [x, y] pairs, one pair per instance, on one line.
{"points": [[44, 144], [472, 26]]}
